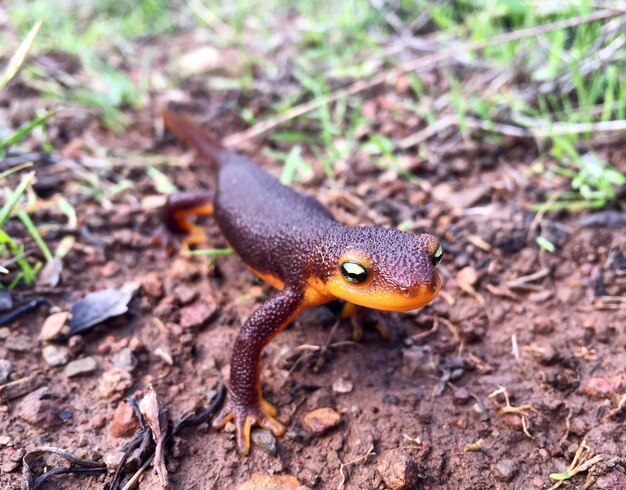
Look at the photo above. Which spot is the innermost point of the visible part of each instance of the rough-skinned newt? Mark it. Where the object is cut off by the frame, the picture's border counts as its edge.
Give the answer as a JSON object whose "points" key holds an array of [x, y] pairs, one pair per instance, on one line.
{"points": [[291, 241]]}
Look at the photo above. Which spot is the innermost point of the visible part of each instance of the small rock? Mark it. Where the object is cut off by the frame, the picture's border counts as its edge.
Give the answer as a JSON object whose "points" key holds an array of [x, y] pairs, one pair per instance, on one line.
{"points": [[12, 459], [391, 399], [152, 285], [543, 325], [112, 459], [600, 387], [66, 414], [197, 314], [81, 367], [461, 396], [97, 421], [398, 470], [76, 344], [265, 440], [38, 408], [5, 440], [183, 269], [514, 421], [53, 325], [260, 481], [5, 370], [19, 343], [504, 470], [110, 269], [56, 355], [124, 423], [321, 420], [5, 332], [185, 295], [125, 360], [342, 386], [114, 381], [6, 301], [419, 360]]}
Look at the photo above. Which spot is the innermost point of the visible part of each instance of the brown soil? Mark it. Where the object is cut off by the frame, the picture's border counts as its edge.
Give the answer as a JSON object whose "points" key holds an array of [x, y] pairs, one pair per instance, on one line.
{"points": [[424, 397]]}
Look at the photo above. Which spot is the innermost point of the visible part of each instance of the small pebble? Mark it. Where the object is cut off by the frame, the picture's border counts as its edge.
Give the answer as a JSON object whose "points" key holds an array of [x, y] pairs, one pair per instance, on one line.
{"points": [[461, 396], [66, 414], [419, 360], [39, 409], [124, 422], [56, 355], [112, 459], [110, 269], [265, 440], [125, 360], [19, 343], [5, 440], [504, 470], [600, 387], [391, 399], [260, 481], [75, 344], [196, 315], [114, 381], [6, 301], [398, 470], [5, 370], [321, 420], [152, 285], [81, 367], [342, 386], [4, 333], [53, 325], [185, 294], [97, 421]]}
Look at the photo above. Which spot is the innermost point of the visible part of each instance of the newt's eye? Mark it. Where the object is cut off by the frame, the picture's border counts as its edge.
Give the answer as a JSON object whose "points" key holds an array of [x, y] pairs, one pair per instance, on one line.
{"points": [[437, 256], [353, 272]]}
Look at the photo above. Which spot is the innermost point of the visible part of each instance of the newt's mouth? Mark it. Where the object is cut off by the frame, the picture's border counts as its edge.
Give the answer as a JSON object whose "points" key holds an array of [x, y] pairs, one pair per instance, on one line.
{"points": [[383, 299]]}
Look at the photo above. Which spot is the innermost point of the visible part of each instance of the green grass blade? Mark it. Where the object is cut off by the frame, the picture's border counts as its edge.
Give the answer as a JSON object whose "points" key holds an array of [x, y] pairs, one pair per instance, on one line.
{"points": [[19, 56], [34, 232], [5, 212], [21, 133]]}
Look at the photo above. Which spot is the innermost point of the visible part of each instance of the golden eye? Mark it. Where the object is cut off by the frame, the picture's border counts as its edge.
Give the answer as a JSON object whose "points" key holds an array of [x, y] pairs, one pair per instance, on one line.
{"points": [[353, 272], [437, 256]]}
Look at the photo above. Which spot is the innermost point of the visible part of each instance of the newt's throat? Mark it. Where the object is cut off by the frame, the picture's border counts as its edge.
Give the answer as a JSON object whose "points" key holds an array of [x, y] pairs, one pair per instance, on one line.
{"points": [[384, 299]]}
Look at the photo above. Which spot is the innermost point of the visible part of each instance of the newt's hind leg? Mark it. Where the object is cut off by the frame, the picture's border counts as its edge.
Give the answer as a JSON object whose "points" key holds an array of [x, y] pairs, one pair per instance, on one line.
{"points": [[176, 213]]}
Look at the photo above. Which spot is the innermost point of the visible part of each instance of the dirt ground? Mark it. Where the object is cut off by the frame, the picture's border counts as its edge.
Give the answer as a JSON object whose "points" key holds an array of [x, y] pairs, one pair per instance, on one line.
{"points": [[494, 385]]}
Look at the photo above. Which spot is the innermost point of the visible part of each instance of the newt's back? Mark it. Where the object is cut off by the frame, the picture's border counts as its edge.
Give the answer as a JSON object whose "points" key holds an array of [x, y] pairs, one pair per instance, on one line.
{"points": [[267, 223]]}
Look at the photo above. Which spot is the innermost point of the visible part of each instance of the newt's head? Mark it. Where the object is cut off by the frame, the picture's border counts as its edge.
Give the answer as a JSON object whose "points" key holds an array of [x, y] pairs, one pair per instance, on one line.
{"points": [[384, 268]]}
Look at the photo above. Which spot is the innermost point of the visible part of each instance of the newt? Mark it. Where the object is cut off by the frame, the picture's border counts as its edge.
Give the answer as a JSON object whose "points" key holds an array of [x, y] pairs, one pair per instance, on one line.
{"points": [[291, 241]]}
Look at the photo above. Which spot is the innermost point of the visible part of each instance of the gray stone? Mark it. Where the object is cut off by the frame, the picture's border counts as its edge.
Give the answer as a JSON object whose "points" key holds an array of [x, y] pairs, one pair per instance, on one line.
{"points": [[81, 367], [504, 470], [56, 355], [264, 439], [19, 343], [5, 370], [125, 360]]}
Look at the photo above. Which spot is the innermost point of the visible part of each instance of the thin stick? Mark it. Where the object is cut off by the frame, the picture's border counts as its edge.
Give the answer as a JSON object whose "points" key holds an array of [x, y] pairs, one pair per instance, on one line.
{"points": [[413, 65]]}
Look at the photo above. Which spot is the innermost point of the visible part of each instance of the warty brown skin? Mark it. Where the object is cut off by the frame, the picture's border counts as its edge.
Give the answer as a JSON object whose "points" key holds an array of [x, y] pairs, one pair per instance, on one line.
{"points": [[293, 242]]}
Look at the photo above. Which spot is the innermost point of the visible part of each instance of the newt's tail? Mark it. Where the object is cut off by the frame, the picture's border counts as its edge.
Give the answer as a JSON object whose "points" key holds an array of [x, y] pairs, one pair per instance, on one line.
{"points": [[197, 137]]}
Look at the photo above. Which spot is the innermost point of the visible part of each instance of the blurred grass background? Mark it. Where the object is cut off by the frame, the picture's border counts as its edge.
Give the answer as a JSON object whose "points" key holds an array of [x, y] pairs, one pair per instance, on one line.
{"points": [[562, 89]]}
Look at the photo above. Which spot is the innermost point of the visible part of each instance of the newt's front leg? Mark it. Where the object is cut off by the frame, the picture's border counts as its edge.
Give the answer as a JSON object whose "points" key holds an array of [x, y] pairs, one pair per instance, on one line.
{"points": [[245, 403]]}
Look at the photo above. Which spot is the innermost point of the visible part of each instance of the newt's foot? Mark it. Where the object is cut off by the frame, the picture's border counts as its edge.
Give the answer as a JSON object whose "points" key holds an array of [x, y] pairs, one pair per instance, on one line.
{"points": [[173, 242], [245, 417], [360, 316]]}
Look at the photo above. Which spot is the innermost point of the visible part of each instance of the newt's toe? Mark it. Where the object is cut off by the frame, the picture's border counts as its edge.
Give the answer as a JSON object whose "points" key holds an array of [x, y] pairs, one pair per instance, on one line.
{"points": [[245, 417]]}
